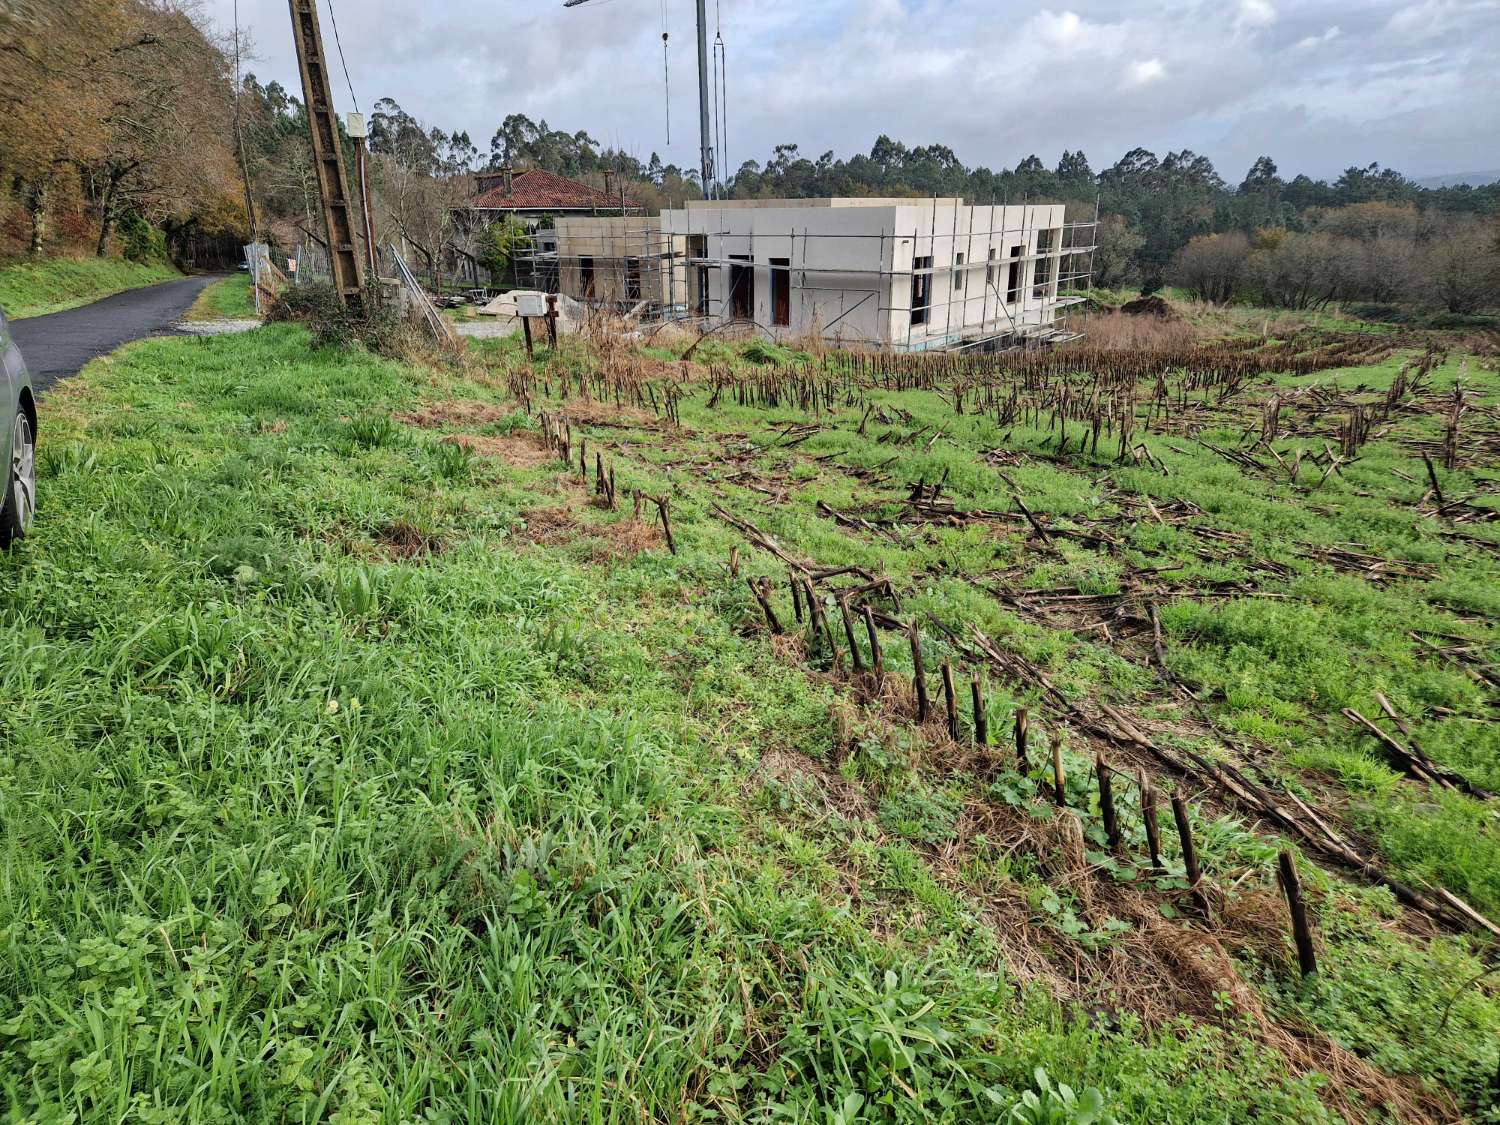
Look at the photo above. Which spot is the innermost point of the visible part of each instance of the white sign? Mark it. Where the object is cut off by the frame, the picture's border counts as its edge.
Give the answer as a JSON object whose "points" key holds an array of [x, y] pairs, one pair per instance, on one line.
{"points": [[531, 304], [291, 265]]}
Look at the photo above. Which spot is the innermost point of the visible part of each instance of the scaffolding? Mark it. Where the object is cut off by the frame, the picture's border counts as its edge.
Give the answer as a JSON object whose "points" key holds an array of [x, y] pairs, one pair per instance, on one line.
{"points": [[852, 288]]}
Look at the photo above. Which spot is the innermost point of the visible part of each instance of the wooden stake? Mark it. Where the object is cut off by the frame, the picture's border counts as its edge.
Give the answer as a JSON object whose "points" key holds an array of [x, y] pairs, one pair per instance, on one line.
{"points": [[1107, 805], [734, 552], [950, 700], [1153, 827], [1307, 957], [762, 591], [791, 581], [981, 718], [877, 661], [1189, 853], [1023, 727], [855, 659], [666, 522], [919, 673], [1059, 778]]}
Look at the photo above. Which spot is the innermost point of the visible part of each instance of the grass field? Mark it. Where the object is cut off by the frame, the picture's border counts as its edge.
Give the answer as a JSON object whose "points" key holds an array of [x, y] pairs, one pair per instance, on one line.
{"points": [[54, 284], [230, 299], [359, 762]]}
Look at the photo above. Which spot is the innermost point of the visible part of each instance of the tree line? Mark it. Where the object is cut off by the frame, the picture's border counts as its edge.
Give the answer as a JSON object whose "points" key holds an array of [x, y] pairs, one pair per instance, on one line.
{"points": [[115, 128], [120, 129]]}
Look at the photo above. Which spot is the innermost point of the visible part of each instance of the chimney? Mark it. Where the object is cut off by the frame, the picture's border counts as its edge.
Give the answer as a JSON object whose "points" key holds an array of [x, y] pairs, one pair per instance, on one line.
{"points": [[510, 179], [609, 181]]}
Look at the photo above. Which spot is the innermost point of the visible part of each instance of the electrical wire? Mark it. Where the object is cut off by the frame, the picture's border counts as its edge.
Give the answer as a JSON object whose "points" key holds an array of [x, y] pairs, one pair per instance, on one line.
{"points": [[340, 45]]}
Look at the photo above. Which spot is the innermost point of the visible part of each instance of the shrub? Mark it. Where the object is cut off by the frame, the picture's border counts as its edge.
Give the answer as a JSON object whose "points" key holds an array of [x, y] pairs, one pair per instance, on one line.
{"points": [[376, 327], [142, 243]]}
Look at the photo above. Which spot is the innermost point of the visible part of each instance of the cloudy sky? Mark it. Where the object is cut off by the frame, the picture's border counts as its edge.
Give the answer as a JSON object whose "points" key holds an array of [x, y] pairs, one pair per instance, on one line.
{"points": [[1319, 85]]}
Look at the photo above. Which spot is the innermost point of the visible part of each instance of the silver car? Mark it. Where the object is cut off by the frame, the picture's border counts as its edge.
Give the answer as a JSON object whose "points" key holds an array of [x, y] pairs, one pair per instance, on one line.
{"points": [[17, 441]]}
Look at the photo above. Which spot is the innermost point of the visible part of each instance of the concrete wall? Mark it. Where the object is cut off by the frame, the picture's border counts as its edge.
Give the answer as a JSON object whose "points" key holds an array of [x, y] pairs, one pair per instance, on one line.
{"points": [[612, 243], [852, 265]]}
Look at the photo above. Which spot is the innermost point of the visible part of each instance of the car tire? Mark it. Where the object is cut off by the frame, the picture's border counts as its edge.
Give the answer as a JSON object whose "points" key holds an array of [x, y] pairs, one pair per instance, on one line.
{"points": [[18, 504]]}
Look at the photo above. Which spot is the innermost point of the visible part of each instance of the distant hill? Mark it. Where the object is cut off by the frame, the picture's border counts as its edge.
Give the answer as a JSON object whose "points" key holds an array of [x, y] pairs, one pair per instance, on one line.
{"points": [[1453, 179]]}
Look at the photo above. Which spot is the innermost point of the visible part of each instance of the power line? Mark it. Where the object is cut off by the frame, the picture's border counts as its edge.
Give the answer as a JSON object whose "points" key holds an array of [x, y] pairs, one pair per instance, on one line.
{"points": [[339, 44]]}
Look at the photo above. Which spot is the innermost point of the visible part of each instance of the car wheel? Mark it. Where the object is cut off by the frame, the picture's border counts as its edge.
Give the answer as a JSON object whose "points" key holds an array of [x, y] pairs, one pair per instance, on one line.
{"points": [[19, 502]]}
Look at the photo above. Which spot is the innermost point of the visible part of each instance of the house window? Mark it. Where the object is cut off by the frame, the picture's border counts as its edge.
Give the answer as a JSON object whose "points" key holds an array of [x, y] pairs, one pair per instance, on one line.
{"points": [[1013, 282], [781, 292], [921, 290], [586, 279], [989, 271], [632, 279], [742, 288], [958, 274]]}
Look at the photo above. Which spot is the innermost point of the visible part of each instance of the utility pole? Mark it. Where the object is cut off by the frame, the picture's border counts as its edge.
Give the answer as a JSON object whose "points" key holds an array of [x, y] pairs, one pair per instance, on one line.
{"points": [[706, 156], [355, 126], [705, 130], [328, 153]]}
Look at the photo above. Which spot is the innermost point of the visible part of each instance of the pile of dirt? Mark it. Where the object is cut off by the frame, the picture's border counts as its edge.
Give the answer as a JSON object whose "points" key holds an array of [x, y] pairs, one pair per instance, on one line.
{"points": [[1153, 306]]}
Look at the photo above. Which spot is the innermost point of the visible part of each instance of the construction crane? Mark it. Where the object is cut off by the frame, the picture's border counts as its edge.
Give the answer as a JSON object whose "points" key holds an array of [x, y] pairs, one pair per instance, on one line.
{"points": [[706, 133]]}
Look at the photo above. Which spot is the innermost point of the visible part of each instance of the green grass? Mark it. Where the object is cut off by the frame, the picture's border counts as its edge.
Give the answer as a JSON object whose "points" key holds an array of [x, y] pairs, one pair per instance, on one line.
{"points": [[54, 284], [296, 829], [230, 299]]}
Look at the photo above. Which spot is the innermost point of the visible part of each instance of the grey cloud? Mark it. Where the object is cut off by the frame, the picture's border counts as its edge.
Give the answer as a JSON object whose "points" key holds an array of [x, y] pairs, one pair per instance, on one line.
{"points": [[1410, 83]]}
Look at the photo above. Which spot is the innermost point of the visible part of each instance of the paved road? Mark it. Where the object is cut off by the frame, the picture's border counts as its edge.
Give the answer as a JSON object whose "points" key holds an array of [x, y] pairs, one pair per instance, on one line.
{"points": [[57, 345]]}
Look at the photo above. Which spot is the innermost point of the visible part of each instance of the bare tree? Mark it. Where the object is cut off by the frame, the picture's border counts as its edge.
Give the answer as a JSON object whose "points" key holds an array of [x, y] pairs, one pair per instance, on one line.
{"points": [[1211, 266]]}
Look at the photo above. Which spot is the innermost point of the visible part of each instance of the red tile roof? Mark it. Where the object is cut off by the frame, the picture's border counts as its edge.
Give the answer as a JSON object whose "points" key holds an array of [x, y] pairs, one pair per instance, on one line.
{"points": [[534, 189]]}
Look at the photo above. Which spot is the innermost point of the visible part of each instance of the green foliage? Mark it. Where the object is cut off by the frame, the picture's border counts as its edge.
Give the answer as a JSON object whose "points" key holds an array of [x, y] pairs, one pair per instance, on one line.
{"points": [[230, 299], [500, 244], [140, 242], [516, 832], [374, 326], [1058, 1104], [920, 813]]}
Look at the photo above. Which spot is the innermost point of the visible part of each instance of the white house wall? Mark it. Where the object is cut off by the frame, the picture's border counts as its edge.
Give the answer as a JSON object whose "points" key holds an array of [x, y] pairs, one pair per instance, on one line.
{"points": [[851, 265]]}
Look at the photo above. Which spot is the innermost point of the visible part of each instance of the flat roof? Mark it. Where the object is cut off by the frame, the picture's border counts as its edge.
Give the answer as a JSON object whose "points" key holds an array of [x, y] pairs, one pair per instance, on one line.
{"points": [[843, 201]]}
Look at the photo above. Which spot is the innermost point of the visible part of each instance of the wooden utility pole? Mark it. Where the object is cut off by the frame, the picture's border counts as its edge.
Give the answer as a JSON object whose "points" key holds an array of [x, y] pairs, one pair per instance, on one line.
{"points": [[328, 153]]}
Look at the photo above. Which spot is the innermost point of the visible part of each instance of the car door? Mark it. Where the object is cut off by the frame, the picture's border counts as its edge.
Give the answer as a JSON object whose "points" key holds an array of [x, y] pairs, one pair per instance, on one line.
{"points": [[10, 390]]}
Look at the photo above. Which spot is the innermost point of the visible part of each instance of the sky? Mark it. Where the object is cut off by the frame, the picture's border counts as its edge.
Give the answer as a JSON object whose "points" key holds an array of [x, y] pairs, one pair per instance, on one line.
{"points": [[1316, 85]]}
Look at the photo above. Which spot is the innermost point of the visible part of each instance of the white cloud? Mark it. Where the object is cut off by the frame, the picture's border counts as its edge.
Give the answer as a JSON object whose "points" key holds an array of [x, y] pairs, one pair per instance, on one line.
{"points": [[1144, 72], [1254, 15], [1314, 41]]}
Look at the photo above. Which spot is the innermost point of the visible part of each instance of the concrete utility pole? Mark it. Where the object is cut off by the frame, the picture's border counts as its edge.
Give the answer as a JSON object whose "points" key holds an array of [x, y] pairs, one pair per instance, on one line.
{"points": [[707, 154], [705, 129], [328, 153]]}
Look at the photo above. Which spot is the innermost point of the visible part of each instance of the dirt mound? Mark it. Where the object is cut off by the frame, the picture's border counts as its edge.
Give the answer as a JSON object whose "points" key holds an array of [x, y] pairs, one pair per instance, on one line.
{"points": [[1153, 306]]}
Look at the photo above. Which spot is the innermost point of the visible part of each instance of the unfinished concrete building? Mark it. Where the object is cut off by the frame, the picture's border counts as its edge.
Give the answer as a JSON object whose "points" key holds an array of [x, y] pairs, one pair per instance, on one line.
{"points": [[902, 274], [619, 262]]}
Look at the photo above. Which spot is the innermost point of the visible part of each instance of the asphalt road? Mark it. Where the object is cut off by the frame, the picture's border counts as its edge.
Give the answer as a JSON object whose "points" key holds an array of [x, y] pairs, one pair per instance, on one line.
{"points": [[59, 344]]}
